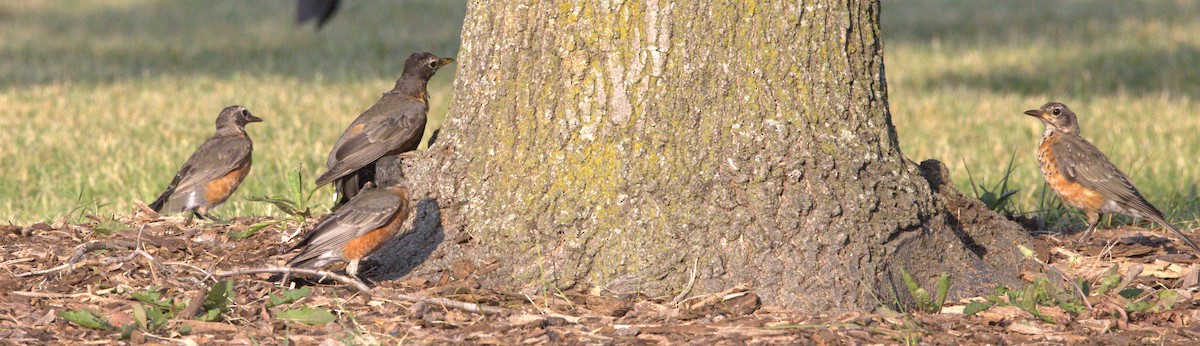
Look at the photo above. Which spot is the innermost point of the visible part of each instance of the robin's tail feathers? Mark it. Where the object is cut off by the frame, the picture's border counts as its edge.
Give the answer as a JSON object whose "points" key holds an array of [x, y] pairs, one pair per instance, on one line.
{"points": [[162, 199], [350, 185], [1179, 233], [158, 203], [312, 260], [326, 177]]}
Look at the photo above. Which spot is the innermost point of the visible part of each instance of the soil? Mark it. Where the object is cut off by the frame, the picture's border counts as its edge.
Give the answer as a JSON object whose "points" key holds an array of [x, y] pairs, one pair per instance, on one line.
{"points": [[147, 254]]}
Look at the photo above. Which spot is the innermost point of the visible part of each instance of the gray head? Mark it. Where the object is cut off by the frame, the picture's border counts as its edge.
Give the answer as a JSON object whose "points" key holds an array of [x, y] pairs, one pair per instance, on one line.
{"points": [[235, 118], [423, 65], [1056, 116]]}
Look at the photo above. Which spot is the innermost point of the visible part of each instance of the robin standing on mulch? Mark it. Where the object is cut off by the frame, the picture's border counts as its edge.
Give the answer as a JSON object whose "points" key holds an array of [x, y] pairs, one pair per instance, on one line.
{"points": [[1084, 178], [394, 125], [355, 230], [214, 171]]}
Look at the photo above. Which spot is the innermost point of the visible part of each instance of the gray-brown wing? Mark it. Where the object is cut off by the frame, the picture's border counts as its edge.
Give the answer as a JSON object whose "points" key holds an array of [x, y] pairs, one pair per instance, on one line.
{"points": [[384, 127], [215, 158], [1082, 162], [366, 212]]}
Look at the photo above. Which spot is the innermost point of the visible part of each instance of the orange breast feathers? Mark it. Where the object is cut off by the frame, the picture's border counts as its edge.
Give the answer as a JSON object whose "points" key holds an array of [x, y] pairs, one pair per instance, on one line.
{"points": [[1071, 192], [365, 244], [219, 189]]}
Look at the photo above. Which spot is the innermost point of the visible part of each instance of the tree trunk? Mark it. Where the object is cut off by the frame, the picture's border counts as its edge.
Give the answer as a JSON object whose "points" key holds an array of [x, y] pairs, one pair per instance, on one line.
{"points": [[628, 145]]}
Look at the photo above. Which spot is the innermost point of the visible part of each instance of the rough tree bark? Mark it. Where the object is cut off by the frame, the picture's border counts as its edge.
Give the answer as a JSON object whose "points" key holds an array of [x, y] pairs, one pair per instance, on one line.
{"points": [[622, 145]]}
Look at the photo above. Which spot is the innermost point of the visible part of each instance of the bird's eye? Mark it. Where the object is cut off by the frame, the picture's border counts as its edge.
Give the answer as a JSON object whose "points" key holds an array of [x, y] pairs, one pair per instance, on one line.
{"points": [[1057, 111], [433, 64]]}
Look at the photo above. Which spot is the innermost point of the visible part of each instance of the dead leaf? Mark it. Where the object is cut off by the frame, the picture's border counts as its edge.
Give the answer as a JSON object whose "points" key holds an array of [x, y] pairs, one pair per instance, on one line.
{"points": [[1028, 328], [1192, 277], [201, 327], [998, 313], [527, 320]]}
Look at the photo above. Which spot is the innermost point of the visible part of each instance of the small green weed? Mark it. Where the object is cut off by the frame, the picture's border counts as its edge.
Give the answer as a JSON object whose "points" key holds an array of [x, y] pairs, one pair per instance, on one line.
{"points": [[997, 198], [924, 301], [296, 205]]}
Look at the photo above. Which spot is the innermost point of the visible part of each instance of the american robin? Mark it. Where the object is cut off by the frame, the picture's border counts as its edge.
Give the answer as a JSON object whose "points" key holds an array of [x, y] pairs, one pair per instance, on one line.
{"points": [[318, 10], [214, 171], [355, 230], [1084, 178], [392, 126]]}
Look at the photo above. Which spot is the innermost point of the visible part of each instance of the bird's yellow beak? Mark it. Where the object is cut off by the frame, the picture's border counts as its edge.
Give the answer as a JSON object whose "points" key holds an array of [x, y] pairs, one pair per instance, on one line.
{"points": [[445, 62]]}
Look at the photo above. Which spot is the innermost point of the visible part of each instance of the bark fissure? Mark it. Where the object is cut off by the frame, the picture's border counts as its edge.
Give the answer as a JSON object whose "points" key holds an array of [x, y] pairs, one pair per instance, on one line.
{"points": [[609, 144]]}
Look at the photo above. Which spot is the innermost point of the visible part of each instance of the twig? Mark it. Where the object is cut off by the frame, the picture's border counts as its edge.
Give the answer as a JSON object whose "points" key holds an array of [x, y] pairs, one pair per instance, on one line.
{"points": [[81, 251], [32, 294], [190, 266], [453, 304], [687, 288], [154, 263], [194, 304], [18, 260], [304, 271], [152, 336], [88, 295], [146, 209]]}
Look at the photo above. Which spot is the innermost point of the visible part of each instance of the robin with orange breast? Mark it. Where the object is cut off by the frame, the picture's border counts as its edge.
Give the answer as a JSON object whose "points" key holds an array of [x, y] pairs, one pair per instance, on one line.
{"points": [[214, 171], [1084, 178], [355, 230], [394, 125]]}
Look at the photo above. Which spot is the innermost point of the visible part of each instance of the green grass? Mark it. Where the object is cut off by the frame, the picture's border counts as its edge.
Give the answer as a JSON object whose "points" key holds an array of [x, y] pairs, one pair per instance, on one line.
{"points": [[961, 72], [103, 100]]}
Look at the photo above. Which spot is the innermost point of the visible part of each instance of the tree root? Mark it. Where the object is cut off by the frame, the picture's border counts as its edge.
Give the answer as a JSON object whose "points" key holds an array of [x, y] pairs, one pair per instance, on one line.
{"points": [[359, 285], [81, 251]]}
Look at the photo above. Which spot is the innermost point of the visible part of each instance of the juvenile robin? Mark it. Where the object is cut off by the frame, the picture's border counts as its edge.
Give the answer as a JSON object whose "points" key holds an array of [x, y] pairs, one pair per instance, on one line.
{"points": [[394, 125], [214, 171], [355, 230], [1084, 178]]}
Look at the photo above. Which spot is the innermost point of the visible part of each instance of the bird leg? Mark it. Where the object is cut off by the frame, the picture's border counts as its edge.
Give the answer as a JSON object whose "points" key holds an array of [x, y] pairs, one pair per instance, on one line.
{"points": [[213, 218], [1093, 221], [204, 214]]}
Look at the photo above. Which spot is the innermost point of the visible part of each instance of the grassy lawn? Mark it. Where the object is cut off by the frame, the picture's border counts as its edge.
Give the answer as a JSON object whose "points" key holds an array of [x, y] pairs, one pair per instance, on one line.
{"points": [[961, 72], [104, 100]]}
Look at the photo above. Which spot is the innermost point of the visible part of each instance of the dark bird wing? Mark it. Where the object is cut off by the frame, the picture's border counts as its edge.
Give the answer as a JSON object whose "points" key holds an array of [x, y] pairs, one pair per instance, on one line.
{"points": [[215, 158], [368, 211], [1083, 163], [394, 124], [319, 10]]}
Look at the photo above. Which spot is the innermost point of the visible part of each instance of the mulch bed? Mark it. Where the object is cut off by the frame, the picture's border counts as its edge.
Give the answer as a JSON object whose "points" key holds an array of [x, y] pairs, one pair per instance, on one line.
{"points": [[147, 254]]}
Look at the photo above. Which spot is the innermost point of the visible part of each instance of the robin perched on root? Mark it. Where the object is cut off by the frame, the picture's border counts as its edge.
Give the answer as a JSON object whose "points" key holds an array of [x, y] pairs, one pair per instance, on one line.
{"points": [[355, 230], [214, 171], [1084, 178], [394, 125]]}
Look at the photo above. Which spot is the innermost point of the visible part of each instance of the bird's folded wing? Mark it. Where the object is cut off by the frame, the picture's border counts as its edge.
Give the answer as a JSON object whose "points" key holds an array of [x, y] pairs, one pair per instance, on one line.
{"points": [[214, 159], [366, 212], [1081, 162], [385, 126]]}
